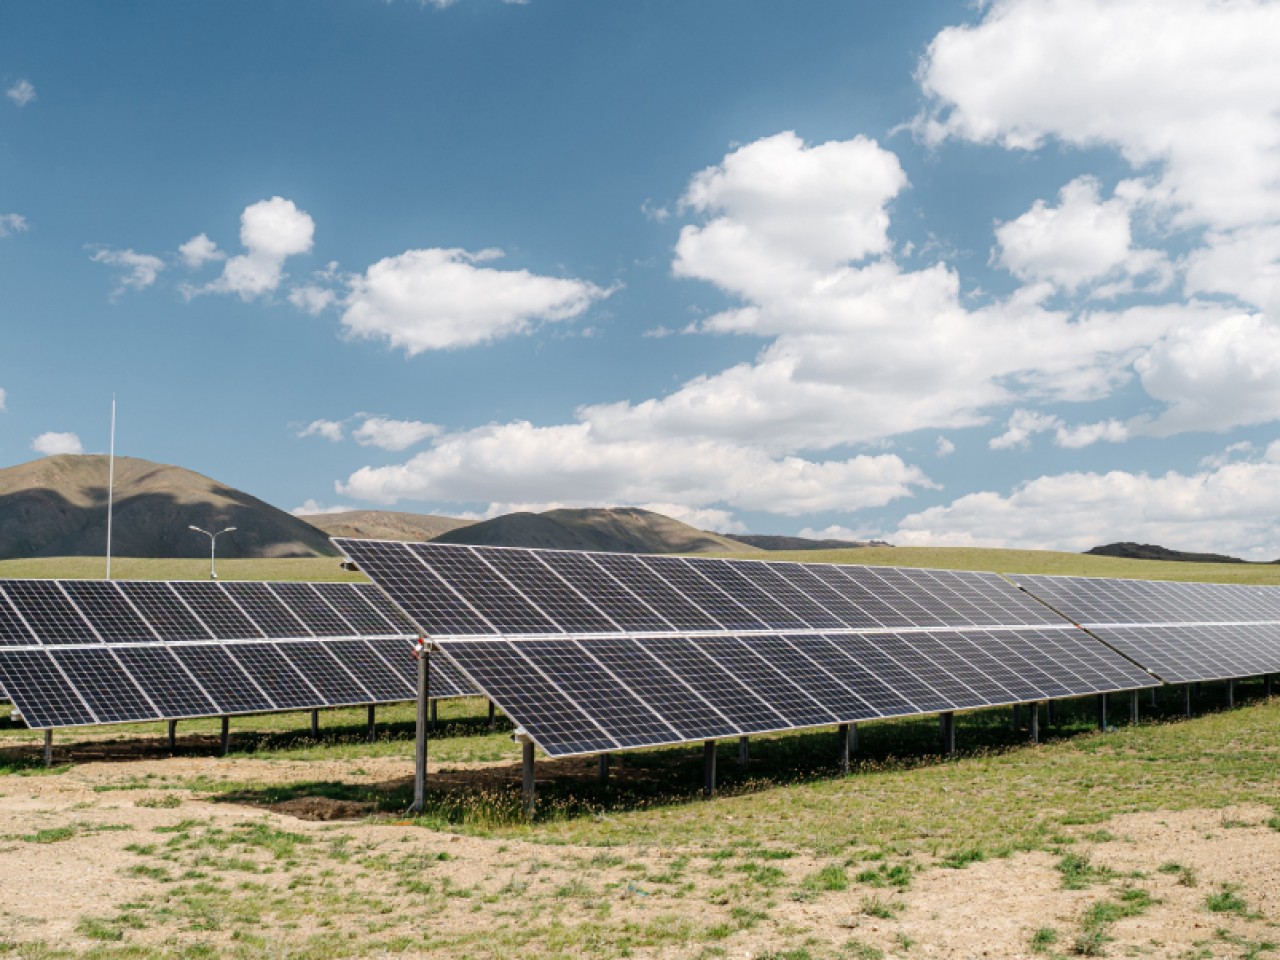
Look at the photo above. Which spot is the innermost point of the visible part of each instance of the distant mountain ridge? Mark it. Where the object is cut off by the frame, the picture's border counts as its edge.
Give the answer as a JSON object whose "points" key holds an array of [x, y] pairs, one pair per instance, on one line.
{"points": [[384, 524], [57, 507], [611, 530], [775, 542], [1150, 551]]}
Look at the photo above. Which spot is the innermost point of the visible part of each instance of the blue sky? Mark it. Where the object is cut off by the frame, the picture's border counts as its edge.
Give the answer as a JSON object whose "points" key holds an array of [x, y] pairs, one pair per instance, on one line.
{"points": [[939, 273]]}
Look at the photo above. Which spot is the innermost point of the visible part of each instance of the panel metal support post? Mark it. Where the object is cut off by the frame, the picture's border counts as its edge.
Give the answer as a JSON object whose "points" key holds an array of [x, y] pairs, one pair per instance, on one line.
{"points": [[1153, 696], [948, 725], [1102, 711], [315, 724], [1034, 726], [420, 733], [1186, 699], [1051, 713], [373, 723], [844, 732], [603, 770], [173, 735], [708, 769], [226, 735], [529, 788], [744, 750], [1133, 707], [434, 706], [1231, 694], [1266, 686], [1017, 717], [48, 748], [493, 721]]}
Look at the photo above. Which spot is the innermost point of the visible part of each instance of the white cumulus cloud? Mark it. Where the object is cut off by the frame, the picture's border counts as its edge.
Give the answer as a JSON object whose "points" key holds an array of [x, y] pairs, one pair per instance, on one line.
{"points": [[200, 250], [1229, 507], [21, 93], [4, 400], [388, 434], [436, 299], [331, 430], [51, 444], [271, 231], [139, 270], [11, 223]]}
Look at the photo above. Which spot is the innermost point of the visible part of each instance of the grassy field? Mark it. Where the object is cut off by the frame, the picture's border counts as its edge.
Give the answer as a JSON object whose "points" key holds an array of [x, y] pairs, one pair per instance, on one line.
{"points": [[946, 558]]}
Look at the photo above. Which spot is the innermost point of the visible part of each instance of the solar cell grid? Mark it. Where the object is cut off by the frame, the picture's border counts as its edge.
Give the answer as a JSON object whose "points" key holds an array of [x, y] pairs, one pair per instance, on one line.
{"points": [[264, 608], [370, 594], [988, 659], [384, 684], [795, 704], [554, 721], [733, 579], [854, 675], [13, 632], [726, 612], [918, 652], [907, 593], [216, 610], [658, 686], [443, 679], [223, 678], [834, 697], [656, 592], [48, 612], [744, 707], [809, 612], [485, 589], [939, 649], [164, 610], [157, 672], [806, 577], [432, 605], [323, 671], [364, 618], [595, 583], [1025, 650], [615, 709], [876, 611], [878, 652], [107, 611], [276, 676], [104, 685], [309, 607], [40, 691], [555, 597]]}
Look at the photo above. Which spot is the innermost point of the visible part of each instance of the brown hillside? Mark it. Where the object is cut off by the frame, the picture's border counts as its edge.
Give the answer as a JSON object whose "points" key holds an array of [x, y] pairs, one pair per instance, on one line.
{"points": [[385, 524], [614, 530], [57, 507]]}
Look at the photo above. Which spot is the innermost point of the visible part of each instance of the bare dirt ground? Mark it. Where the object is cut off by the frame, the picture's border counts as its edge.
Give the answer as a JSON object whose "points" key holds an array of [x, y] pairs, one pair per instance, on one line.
{"points": [[124, 853]]}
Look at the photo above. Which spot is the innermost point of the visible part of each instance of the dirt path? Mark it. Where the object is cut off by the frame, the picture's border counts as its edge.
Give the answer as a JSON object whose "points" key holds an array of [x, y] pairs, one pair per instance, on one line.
{"points": [[111, 852]]}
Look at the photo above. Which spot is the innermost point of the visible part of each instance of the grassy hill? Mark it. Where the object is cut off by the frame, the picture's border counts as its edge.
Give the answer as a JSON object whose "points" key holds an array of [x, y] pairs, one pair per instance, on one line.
{"points": [[615, 530], [57, 507], [385, 524], [945, 558]]}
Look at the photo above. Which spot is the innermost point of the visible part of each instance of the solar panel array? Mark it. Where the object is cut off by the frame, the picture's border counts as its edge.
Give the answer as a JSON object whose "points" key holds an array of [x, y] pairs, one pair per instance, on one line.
{"points": [[77, 652], [595, 652], [1182, 632]]}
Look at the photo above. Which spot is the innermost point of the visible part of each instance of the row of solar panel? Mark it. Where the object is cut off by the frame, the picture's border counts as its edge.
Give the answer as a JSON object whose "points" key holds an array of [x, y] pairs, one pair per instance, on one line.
{"points": [[55, 612], [76, 686], [461, 591], [1197, 654], [592, 695], [1093, 601]]}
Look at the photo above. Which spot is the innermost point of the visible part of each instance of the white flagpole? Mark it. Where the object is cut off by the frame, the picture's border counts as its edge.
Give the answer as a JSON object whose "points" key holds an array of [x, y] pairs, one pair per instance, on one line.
{"points": [[111, 482]]}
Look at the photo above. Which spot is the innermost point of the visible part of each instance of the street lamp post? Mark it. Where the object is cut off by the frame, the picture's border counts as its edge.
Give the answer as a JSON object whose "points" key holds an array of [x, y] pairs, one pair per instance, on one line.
{"points": [[213, 547]]}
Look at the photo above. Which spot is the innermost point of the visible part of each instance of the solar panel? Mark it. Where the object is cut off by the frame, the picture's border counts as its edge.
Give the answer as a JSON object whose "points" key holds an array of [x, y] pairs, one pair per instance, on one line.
{"points": [[216, 610], [48, 612], [112, 617], [727, 612], [104, 685], [223, 678], [310, 607], [552, 594], [276, 676], [384, 684], [745, 593], [659, 595], [485, 590], [325, 673], [371, 595], [40, 691], [161, 677], [363, 618], [263, 607], [12, 630], [169, 617], [604, 590]]}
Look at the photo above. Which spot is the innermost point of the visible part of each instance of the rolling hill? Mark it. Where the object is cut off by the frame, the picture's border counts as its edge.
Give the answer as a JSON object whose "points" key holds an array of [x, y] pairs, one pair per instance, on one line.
{"points": [[385, 524], [1151, 551], [614, 530], [775, 542], [57, 507]]}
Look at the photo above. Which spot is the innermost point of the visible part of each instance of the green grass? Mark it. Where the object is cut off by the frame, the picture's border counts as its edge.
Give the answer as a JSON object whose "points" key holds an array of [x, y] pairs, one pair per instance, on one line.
{"points": [[1032, 561], [138, 568]]}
